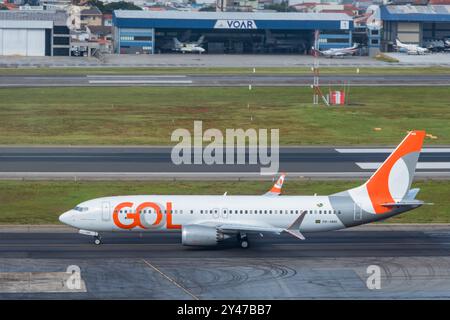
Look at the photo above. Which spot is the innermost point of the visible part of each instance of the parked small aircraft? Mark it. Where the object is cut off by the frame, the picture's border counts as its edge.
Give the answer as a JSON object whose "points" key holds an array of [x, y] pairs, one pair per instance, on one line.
{"points": [[410, 48], [339, 52], [189, 46]]}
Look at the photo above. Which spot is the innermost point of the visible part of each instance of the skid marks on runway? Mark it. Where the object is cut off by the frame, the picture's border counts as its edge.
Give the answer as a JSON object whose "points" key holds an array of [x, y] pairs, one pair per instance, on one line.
{"points": [[245, 278]]}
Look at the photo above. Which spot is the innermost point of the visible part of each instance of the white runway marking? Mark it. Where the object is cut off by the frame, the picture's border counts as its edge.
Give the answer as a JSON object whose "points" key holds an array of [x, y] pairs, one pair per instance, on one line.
{"points": [[420, 165], [389, 150], [37, 282], [135, 76], [140, 81]]}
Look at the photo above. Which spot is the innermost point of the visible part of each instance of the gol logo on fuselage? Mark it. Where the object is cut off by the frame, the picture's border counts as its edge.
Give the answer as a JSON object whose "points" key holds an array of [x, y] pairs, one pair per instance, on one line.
{"points": [[136, 220]]}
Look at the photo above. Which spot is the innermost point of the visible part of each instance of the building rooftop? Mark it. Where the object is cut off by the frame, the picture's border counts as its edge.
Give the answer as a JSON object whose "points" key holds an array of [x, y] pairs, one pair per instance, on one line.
{"points": [[436, 13], [58, 17], [100, 30], [181, 15]]}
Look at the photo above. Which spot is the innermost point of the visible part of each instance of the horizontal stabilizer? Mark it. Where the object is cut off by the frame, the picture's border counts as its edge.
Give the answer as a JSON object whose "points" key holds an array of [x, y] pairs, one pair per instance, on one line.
{"points": [[405, 203]]}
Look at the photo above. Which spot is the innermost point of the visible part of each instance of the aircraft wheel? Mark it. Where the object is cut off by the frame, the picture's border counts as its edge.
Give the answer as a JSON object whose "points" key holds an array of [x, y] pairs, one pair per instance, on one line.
{"points": [[97, 241], [244, 244], [243, 241]]}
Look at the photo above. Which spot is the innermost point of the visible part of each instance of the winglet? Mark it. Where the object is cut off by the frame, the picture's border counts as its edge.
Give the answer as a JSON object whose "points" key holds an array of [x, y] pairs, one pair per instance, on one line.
{"points": [[276, 189], [294, 228]]}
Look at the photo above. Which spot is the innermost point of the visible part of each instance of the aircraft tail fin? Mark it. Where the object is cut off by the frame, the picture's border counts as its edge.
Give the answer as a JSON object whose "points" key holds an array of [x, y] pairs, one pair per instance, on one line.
{"points": [[177, 43], [200, 40], [391, 182], [276, 189]]}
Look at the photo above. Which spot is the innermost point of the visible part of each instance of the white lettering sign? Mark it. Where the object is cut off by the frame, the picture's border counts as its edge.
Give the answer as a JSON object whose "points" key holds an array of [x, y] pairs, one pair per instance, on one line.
{"points": [[345, 25], [235, 24]]}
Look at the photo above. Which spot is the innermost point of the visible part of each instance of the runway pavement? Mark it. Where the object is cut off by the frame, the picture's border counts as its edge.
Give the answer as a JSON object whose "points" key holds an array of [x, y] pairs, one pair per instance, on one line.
{"points": [[88, 80], [414, 262], [222, 60], [156, 163]]}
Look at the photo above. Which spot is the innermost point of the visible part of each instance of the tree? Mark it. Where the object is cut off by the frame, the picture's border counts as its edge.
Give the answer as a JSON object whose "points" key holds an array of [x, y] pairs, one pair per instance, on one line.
{"points": [[97, 3], [122, 5], [209, 8], [110, 7]]}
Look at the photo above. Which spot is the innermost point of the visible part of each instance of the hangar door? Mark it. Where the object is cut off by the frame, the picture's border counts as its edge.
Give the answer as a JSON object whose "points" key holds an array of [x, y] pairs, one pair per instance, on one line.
{"points": [[408, 32], [22, 42]]}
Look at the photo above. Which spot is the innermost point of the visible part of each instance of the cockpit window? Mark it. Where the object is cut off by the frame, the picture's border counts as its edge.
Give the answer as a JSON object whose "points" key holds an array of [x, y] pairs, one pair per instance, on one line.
{"points": [[81, 209]]}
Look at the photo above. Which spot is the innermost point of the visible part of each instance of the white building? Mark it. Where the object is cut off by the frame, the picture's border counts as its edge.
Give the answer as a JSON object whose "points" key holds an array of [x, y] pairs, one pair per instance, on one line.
{"points": [[34, 33]]}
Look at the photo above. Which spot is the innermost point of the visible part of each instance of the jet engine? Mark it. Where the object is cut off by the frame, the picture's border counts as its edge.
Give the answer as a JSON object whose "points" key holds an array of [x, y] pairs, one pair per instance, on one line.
{"points": [[195, 235]]}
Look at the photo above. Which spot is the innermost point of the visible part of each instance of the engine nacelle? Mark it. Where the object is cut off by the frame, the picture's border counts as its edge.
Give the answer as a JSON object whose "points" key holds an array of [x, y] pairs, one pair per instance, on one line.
{"points": [[194, 235]]}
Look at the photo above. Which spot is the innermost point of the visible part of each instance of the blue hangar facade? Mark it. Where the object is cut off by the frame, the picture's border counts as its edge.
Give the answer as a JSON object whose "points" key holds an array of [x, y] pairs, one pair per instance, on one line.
{"points": [[414, 24], [149, 32]]}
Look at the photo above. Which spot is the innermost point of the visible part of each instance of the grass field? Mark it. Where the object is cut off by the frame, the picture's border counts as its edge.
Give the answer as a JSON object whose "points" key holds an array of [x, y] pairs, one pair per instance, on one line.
{"points": [[148, 115], [223, 70], [41, 202]]}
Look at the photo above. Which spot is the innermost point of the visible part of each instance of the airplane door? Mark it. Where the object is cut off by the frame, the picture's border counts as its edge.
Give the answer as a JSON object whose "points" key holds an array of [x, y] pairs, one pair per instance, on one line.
{"points": [[224, 213], [106, 213], [357, 212]]}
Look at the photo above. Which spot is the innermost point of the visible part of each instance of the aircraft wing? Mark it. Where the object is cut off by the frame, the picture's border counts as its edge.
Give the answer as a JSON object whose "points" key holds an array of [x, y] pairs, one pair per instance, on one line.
{"points": [[276, 189], [293, 229], [234, 227]]}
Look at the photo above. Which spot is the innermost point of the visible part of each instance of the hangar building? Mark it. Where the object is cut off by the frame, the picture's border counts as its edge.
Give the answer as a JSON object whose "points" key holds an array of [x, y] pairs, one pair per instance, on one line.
{"points": [[34, 33], [148, 32], [414, 24]]}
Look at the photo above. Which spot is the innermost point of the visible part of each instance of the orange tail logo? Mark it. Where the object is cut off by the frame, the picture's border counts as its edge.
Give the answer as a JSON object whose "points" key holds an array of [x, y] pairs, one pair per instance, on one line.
{"points": [[393, 178]]}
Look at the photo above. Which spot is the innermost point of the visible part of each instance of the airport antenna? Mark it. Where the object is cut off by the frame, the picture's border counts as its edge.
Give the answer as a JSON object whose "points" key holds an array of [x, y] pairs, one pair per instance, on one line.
{"points": [[316, 84]]}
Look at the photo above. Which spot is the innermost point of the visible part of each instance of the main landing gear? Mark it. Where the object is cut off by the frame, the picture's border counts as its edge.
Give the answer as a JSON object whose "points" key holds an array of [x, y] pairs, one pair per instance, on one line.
{"points": [[243, 240]]}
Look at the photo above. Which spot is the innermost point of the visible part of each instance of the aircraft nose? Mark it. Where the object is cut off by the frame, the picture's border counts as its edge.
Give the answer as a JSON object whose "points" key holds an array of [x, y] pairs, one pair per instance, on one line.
{"points": [[65, 217]]}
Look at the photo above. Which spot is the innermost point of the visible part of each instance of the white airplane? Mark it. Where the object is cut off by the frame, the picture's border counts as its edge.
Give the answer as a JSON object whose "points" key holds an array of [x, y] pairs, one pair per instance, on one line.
{"points": [[339, 52], [410, 48], [207, 220], [189, 46]]}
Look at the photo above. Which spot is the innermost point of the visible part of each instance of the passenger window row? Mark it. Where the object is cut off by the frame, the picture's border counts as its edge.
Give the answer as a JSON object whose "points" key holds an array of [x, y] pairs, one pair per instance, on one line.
{"points": [[215, 211]]}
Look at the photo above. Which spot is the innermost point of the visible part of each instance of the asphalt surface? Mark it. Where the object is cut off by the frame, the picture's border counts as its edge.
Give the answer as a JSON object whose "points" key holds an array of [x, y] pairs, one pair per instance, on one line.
{"points": [[222, 60], [368, 242], [219, 80], [156, 163], [413, 262]]}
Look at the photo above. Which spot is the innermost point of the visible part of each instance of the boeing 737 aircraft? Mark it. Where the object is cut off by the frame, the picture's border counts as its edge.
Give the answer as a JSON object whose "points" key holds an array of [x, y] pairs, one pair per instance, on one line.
{"points": [[208, 220]]}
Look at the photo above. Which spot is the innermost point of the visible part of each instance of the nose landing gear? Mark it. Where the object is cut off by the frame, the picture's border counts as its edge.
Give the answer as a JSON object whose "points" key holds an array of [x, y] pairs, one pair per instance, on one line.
{"points": [[97, 240]]}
